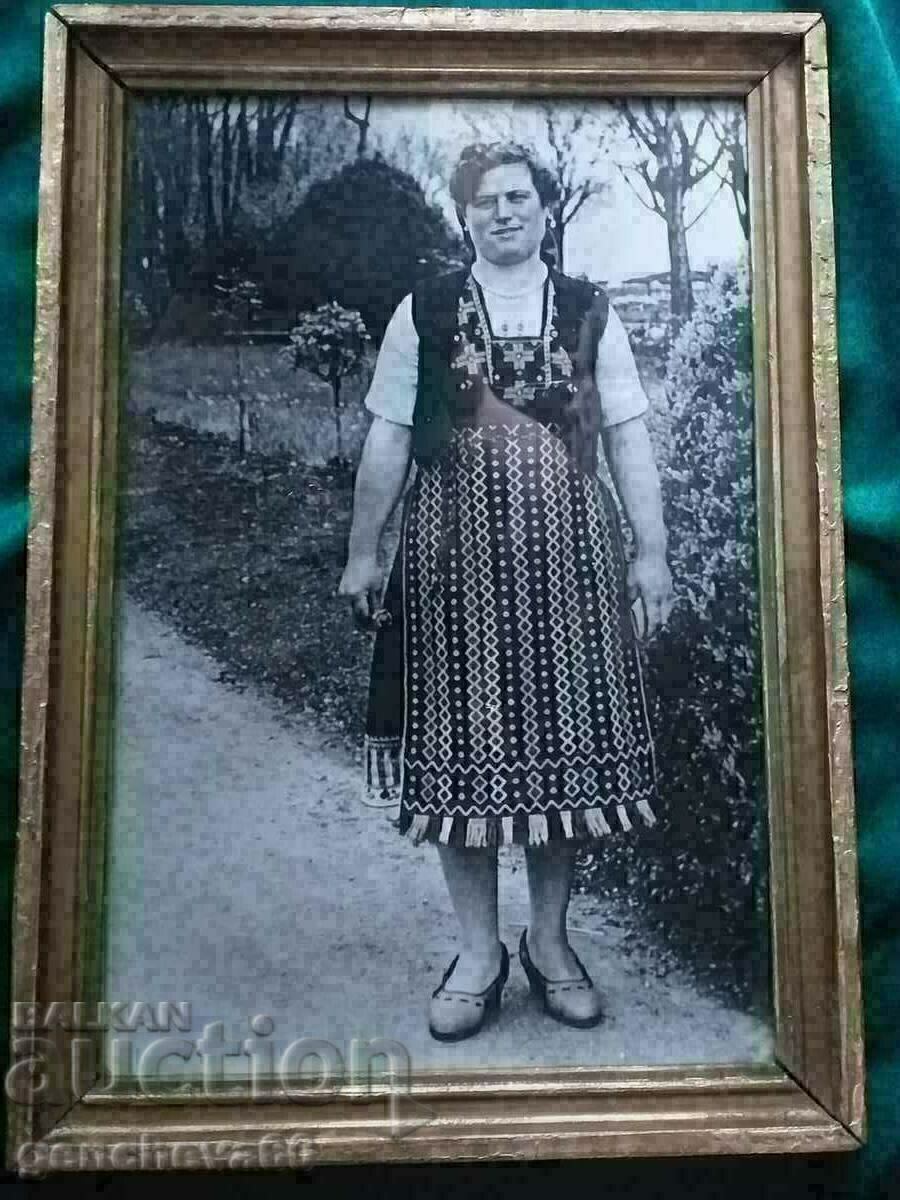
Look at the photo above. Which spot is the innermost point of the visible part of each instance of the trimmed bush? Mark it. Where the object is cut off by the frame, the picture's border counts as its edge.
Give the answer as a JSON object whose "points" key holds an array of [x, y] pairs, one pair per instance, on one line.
{"points": [[331, 249]]}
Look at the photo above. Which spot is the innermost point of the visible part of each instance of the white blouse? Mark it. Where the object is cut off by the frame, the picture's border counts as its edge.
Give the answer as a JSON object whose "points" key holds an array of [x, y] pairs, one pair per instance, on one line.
{"points": [[392, 393]]}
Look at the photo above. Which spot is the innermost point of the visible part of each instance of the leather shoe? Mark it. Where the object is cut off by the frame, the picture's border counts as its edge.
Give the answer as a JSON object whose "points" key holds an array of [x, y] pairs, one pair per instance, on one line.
{"points": [[571, 1001], [456, 1014]]}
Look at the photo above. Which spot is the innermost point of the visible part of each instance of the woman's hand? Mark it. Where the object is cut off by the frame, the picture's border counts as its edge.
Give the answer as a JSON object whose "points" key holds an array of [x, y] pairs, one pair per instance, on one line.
{"points": [[649, 577], [382, 472], [633, 468], [361, 583]]}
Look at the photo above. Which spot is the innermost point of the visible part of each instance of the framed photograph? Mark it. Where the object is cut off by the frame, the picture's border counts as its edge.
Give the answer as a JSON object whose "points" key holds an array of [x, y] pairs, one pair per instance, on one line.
{"points": [[436, 738]]}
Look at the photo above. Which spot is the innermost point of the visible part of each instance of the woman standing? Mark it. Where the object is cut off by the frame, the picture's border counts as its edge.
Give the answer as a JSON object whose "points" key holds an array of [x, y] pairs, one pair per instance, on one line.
{"points": [[506, 703]]}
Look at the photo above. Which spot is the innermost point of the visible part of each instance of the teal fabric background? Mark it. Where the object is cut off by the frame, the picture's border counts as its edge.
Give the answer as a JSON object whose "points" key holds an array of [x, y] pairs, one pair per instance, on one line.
{"points": [[864, 44]]}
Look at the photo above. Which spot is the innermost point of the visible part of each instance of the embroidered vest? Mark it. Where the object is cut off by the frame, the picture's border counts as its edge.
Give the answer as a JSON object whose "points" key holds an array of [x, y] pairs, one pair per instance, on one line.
{"points": [[581, 310]]}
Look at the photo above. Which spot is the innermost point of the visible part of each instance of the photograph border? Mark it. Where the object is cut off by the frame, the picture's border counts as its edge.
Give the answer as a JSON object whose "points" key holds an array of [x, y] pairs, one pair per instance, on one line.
{"points": [[812, 1098]]}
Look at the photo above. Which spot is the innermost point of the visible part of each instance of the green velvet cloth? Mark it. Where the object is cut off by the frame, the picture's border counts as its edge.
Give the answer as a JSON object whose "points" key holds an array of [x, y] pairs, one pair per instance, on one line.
{"points": [[864, 43]]}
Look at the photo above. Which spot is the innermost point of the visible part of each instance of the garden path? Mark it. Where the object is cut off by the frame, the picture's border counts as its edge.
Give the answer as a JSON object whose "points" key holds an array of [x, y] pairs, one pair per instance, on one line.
{"points": [[245, 877]]}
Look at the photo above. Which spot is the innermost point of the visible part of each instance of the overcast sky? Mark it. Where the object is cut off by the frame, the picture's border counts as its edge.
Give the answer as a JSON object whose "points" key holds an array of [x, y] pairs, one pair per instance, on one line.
{"points": [[612, 237]]}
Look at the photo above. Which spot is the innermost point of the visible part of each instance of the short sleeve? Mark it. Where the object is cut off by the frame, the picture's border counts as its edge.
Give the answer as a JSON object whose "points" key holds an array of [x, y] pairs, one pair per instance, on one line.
{"points": [[392, 392], [622, 394]]}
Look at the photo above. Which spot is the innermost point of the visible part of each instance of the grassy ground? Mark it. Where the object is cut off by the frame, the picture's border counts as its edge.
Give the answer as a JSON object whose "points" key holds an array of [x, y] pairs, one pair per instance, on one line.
{"points": [[290, 412], [244, 559]]}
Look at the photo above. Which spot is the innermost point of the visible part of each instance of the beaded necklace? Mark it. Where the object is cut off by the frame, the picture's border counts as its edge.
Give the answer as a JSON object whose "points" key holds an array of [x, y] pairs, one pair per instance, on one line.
{"points": [[484, 322]]}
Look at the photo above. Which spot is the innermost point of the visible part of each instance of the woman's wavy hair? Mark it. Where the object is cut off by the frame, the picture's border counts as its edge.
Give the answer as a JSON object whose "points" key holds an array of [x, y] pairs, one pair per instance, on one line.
{"points": [[478, 158]]}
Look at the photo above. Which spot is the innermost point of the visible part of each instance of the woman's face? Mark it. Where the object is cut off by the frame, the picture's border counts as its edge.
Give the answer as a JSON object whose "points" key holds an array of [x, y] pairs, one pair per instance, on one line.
{"points": [[505, 217]]}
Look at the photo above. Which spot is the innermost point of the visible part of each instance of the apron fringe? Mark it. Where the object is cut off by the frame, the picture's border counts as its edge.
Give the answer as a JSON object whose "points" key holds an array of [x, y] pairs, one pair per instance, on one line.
{"points": [[523, 829], [418, 830], [476, 832], [623, 817], [538, 833], [595, 822], [643, 807]]}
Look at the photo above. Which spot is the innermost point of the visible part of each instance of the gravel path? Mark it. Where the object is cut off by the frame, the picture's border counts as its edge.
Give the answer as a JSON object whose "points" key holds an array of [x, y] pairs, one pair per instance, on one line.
{"points": [[246, 878]]}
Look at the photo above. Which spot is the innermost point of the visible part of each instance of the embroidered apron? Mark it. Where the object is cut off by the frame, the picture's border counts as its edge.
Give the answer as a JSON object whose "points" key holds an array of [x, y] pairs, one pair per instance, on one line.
{"points": [[506, 702]]}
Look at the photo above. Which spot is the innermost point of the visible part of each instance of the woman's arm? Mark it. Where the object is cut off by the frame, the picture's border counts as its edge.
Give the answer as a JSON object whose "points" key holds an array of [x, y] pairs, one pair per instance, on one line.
{"points": [[633, 469], [380, 479]]}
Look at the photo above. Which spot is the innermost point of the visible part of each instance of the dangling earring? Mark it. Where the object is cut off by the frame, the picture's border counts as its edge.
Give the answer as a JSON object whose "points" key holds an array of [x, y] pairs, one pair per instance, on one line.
{"points": [[467, 238], [548, 243]]}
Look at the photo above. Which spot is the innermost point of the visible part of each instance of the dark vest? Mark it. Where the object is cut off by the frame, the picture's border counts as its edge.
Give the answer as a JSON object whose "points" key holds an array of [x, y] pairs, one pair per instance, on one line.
{"points": [[581, 308]]}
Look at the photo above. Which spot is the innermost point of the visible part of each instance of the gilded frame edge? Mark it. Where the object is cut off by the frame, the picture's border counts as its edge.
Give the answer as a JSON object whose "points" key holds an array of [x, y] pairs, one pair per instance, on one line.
{"points": [[793, 1118]]}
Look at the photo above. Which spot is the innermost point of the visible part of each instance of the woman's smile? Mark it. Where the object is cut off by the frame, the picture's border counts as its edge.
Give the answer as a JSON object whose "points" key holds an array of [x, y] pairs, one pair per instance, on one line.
{"points": [[505, 218]]}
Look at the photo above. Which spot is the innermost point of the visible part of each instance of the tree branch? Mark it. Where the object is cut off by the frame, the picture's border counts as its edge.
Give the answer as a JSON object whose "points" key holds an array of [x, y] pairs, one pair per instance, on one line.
{"points": [[361, 123], [581, 197], [651, 207], [690, 224], [698, 133], [639, 133], [658, 126], [290, 114], [694, 177]]}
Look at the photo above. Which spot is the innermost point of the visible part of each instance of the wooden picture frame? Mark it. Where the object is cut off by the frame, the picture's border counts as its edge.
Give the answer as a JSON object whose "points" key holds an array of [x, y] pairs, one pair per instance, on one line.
{"points": [[811, 1098]]}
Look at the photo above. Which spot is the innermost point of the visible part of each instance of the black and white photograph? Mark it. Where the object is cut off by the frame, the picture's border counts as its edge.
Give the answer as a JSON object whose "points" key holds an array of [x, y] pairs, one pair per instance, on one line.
{"points": [[437, 700]]}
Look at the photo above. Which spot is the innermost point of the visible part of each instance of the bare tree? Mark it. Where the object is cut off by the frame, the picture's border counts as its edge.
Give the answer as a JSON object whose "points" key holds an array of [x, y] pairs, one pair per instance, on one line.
{"points": [[361, 123], [728, 127], [236, 298], [274, 125], [669, 166], [421, 156], [291, 145], [206, 180], [161, 190], [578, 146], [210, 175]]}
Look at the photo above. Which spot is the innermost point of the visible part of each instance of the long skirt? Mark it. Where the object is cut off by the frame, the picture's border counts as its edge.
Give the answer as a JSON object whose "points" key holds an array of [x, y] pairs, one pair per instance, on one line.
{"points": [[506, 702]]}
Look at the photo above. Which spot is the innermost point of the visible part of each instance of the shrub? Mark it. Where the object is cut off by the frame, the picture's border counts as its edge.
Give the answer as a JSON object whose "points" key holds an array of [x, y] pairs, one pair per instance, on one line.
{"points": [[331, 343], [698, 876], [362, 237]]}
